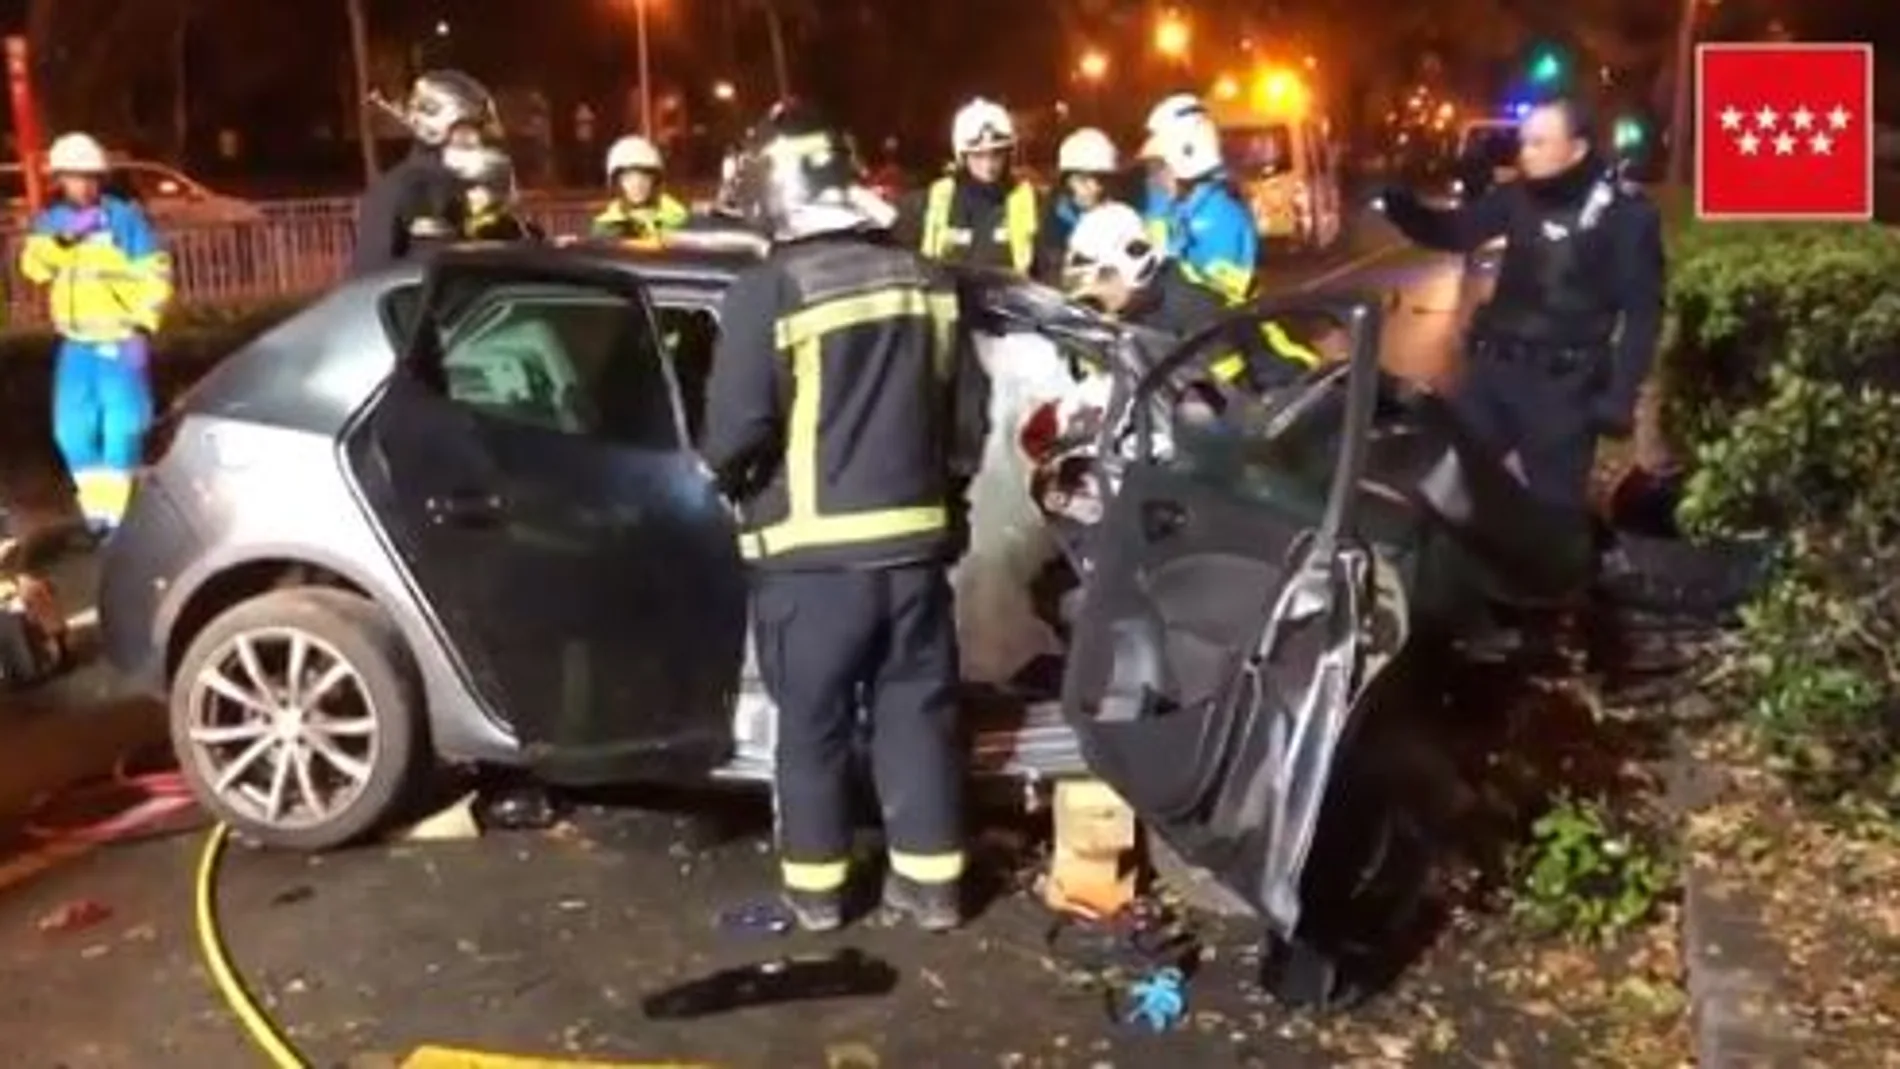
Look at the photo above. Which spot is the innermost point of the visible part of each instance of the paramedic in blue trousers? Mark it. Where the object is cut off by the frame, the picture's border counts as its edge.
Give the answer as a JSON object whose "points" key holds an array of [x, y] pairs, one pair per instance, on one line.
{"points": [[979, 213], [108, 281], [845, 417], [1193, 210]]}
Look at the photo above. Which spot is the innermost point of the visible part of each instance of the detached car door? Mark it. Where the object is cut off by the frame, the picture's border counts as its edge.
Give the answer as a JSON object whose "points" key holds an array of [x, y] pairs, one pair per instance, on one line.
{"points": [[530, 465]]}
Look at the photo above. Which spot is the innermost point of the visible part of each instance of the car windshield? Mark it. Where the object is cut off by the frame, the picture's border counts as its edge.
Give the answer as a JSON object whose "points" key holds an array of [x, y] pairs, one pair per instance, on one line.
{"points": [[1258, 149], [1495, 145]]}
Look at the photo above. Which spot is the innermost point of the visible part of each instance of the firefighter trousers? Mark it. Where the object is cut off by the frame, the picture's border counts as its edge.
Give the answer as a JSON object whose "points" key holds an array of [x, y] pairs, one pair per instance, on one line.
{"points": [[881, 641]]}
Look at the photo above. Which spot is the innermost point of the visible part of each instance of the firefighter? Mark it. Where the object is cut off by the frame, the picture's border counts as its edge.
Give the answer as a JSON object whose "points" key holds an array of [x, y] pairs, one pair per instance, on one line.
{"points": [[1193, 209], [640, 209], [1558, 354], [491, 193], [420, 203], [108, 281], [1088, 169], [1114, 263], [977, 214], [834, 422]]}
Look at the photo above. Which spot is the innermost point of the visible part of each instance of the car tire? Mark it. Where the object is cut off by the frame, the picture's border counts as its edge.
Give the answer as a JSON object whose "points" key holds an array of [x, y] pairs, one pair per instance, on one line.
{"points": [[342, 629], [1190, 886]]}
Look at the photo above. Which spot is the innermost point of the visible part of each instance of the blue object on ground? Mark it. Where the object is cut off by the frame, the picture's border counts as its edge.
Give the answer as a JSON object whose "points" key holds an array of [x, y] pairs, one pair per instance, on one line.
{"points": [[1157, 1001]]}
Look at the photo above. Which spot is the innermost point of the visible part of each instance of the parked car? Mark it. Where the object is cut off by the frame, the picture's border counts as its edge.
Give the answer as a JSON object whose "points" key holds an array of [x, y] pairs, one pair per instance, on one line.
{"points": [[169, 196]]}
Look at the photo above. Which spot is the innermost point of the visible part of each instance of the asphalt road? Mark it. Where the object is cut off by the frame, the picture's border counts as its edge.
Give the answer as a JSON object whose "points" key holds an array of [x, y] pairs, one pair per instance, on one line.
{"points": [[539, 943]]}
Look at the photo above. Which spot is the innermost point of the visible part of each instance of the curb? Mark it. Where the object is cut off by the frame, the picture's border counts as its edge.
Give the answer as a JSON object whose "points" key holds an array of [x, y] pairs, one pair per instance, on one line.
{"points": [[1736, 1018]]}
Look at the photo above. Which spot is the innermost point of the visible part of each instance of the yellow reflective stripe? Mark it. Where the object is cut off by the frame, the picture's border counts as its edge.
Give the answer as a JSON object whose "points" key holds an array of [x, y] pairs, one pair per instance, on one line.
{"points": [[1158, 231], [814, 876], [928, 868], [812, 323], [1283, 344], [1229, 368], [103, 493], [936, 235], [844, 529], [1021, 223], [1230, 280]]}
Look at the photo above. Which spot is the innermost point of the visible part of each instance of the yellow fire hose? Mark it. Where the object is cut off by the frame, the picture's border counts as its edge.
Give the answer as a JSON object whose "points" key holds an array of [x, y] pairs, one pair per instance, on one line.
{"points": [[269, 1038]]}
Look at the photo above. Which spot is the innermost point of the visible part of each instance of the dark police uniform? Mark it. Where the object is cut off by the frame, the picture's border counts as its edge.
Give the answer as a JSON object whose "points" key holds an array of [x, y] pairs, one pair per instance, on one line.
{"points": [[1559, 352], [414, 206], [833, 418]]}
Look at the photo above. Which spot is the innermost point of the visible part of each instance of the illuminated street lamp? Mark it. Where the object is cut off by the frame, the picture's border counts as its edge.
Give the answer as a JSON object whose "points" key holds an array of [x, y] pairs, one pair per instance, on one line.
{"points": [[1172, 36], [724, 91], [442, 27], [1093, 66], [1228, 88]]}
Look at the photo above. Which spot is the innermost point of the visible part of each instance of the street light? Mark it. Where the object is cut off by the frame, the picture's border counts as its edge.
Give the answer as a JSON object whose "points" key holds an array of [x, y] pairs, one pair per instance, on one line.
{"points": [[1172, 36], [1093, 66], [1227, 88], [442, 27], [724, 91]]}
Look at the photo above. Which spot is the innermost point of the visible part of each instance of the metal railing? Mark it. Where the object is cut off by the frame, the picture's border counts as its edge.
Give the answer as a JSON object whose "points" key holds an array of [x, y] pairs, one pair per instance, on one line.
{"points": [[301, 247]]}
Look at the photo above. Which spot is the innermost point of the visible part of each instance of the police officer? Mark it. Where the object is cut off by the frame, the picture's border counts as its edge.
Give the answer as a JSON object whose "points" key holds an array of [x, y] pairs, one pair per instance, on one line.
{"points": [[1192, 208], [420, 202], [641, 209], [1087, 170], [978, 214], [1557, 355], [833, 421]]}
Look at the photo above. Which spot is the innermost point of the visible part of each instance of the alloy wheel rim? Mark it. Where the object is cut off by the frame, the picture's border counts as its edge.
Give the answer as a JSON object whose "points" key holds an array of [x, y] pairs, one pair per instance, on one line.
{"points": [[282, 728]]}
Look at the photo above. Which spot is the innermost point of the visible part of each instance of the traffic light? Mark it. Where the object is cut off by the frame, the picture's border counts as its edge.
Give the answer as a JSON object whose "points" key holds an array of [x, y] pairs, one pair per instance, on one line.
{"points": [[1628, 134], [1547, 67]]}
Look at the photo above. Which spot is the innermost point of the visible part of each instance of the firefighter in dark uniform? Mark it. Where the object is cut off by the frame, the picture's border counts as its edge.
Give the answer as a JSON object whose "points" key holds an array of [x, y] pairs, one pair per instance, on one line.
{"points": [[1557, 355], [979, 213], [491, 195], [420, 203], [833, 422]]}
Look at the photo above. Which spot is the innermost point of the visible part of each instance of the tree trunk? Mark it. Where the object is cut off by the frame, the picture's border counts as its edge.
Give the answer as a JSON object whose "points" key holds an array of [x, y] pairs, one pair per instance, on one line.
{"points": [[781, 67], [359, 66], [1681, 137]]}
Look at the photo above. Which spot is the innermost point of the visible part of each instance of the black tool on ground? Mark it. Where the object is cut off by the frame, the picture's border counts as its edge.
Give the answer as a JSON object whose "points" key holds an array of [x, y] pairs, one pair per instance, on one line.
{"points": [[1144, 936], [848, 973], [517, 806]]}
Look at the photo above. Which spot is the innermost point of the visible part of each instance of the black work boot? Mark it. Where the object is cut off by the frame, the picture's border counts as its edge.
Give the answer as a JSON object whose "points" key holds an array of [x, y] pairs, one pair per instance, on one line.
{"points": [[816, 911], [935, 907]]}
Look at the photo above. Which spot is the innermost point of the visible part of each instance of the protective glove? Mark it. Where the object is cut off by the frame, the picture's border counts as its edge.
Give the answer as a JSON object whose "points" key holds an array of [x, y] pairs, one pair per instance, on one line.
{"points": [[82, 225], [135, 353]]}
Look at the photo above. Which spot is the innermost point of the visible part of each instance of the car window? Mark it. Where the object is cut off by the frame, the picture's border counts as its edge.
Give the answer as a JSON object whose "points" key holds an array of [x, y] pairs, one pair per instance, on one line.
{"points": [[565, 357], [690, 335], [1259, 149]]}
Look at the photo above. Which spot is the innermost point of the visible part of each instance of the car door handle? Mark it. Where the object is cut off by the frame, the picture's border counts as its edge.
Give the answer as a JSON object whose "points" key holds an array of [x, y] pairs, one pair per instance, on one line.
{"points": [[465, 508], [1162, 519]]}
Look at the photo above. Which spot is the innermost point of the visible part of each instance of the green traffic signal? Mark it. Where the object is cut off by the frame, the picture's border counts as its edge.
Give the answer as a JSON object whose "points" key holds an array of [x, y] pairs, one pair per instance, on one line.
{"points": [[1546, 67], [1629, 133]]}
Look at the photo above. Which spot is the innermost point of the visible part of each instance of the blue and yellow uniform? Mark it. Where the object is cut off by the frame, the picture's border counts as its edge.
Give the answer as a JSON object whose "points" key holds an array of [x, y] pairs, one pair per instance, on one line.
{"points": [[1210, 233], [108, 281]]}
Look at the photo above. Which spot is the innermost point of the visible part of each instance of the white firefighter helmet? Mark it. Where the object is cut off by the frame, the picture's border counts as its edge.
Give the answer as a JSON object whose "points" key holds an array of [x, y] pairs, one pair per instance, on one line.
{"points": [[1111, 240], [633, 153], [1184, 137], [982, 126], [1086, 151], [77, 153]]}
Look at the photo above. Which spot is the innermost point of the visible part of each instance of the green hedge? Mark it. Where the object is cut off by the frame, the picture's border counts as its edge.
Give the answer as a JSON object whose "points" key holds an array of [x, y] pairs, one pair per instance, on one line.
{"points": [[1781, 377], [193, 340]]}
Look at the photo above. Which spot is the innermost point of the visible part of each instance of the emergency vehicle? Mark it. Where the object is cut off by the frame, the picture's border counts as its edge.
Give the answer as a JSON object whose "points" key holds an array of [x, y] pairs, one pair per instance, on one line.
{"points": [[1280, 153]]}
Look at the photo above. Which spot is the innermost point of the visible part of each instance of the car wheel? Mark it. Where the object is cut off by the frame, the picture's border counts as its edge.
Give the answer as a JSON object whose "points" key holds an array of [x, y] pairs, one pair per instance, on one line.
{"points": [[1194, 888], [297, 718]]}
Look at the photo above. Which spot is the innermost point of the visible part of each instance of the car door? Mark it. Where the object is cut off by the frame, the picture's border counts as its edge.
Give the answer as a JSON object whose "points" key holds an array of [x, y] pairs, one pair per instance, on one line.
{"points": [[1226, 633], [529, 463]]}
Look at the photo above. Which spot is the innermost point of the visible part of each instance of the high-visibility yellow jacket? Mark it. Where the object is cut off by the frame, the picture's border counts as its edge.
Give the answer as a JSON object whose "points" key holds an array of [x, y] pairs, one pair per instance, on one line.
{"points": [[107, 275]]}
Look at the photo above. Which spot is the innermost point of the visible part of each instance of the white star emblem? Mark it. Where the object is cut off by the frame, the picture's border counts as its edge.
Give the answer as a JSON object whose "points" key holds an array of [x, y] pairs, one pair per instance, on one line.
{"points": [[1749, 144], [1784, 145], [1803, 119], [1838, 118], [1731, 118], [1821, 144], [1766, 118]]}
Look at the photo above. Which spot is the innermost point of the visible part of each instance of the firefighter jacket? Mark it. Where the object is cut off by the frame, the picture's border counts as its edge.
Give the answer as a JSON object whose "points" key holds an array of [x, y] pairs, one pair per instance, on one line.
{"points": [[644, 223], [960, 220], [846, 411], [1210, 233], [107, 276]]}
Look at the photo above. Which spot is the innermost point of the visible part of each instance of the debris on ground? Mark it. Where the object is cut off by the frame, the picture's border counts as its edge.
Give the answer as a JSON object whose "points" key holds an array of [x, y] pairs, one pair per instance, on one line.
{"points": [[1157, 1001], [74, 916], [455, 822], [516, 806], [757, 918]]}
